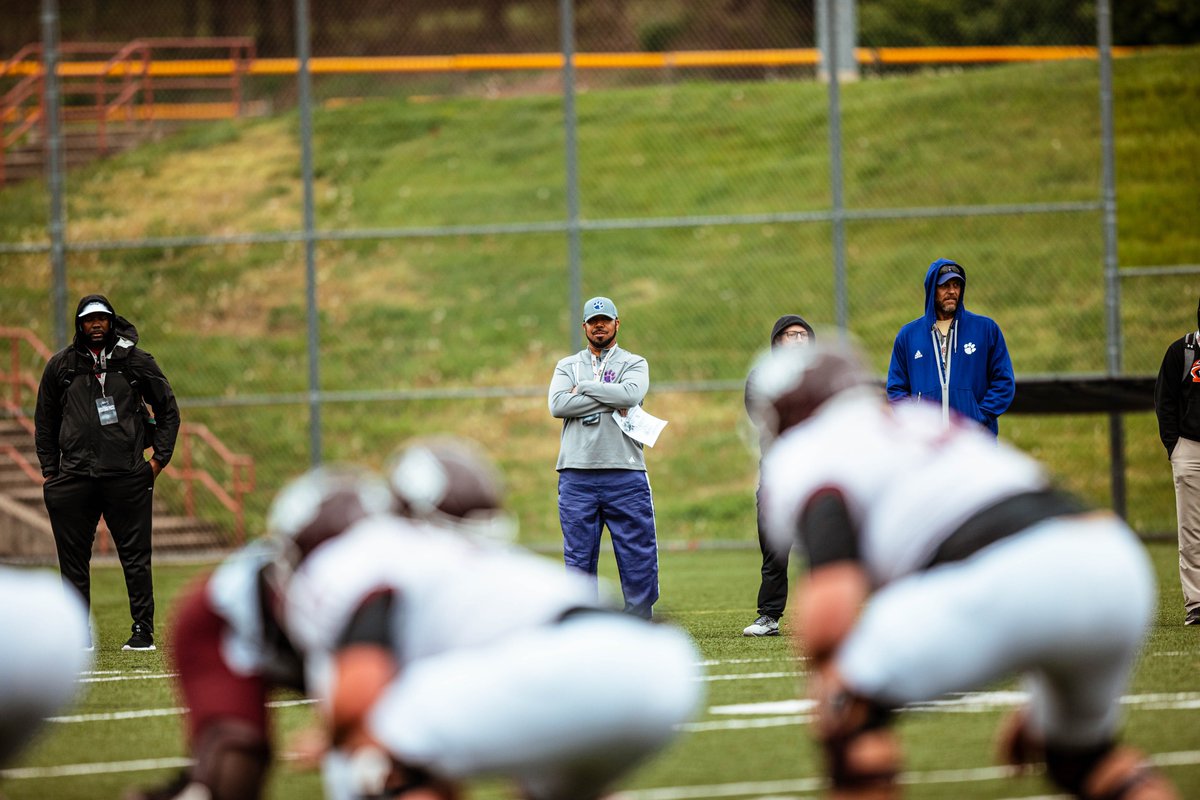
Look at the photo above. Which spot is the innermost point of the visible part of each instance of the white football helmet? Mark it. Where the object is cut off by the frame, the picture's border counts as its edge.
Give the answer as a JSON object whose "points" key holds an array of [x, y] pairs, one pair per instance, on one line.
{"points": [[319, 505], [792, 383], [450, 482]]}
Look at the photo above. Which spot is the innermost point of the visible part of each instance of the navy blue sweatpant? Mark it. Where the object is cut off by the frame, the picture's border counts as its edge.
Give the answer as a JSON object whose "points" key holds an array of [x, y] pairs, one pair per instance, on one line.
{"points": [[589, 500]]}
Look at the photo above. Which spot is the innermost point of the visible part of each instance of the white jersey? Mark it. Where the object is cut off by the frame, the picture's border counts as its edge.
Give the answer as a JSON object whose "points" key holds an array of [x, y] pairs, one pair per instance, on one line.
{"points": [[451, 591], [234, 595], [907, 481]]}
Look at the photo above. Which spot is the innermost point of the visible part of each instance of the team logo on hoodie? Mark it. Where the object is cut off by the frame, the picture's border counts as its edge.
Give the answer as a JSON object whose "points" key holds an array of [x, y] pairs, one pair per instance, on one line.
{"points": [[969, 348]]}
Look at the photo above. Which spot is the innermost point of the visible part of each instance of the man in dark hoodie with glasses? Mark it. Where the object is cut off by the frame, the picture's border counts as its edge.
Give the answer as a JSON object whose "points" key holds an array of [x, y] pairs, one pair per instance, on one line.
{"points": [[92, 429], [788, 331]]}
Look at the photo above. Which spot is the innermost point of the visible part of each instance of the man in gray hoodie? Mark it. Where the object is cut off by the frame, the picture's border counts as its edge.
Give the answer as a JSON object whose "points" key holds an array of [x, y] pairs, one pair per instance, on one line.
{"points": [[602, 471]]}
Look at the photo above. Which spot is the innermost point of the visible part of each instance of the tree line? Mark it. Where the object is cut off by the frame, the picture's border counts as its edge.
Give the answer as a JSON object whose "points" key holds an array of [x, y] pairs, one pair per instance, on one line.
{"points": [[378, 27]]}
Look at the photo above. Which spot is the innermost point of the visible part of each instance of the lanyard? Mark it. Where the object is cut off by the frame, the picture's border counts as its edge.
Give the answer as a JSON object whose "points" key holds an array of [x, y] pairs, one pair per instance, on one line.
{"points": [[944, 365], [598, 365], [102, 373]]}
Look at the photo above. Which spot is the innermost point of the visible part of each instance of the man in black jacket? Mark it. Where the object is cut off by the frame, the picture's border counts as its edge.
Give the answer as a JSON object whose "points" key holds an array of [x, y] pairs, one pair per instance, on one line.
{"points": [[91, 432], [1177, 404]]}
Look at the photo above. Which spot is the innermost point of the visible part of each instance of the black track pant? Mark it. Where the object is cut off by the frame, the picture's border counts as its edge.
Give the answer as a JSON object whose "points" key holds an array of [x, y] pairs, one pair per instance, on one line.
{"points": [[772, 592], [75, 504]]}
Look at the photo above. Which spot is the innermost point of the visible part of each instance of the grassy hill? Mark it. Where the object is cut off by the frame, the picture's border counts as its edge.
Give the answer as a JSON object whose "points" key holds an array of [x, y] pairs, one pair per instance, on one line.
{"points": [[451, 314]]}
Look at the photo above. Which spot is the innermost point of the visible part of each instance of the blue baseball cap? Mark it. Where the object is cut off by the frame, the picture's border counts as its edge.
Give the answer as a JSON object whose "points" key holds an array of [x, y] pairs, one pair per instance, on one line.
{"points": [[599, 307], [949, 271]]}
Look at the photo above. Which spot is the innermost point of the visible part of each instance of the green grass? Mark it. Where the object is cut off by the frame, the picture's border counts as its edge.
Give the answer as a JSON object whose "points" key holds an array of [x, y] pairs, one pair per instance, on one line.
{"points": [[491, 311], [711, 595]]}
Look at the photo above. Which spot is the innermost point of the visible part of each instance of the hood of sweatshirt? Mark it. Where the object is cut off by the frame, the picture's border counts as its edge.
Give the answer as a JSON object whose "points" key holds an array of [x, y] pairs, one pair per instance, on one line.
{"points": [[121, 331], [931, 276]]}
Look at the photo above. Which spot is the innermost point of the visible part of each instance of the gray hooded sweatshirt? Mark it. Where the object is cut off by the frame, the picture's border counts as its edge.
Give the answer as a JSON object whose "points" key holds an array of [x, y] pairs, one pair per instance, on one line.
{"points": [[623, 381]]}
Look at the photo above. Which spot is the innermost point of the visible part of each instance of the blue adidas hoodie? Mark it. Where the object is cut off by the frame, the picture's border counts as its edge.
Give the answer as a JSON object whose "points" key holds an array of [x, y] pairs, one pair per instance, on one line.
{"points": [[978, 371]]}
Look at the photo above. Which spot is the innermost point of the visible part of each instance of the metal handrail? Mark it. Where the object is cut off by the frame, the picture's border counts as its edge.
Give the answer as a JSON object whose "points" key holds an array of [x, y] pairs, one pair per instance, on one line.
{"points": [[242, 478], [19, 56], [241, 466], [16, 378], [124, 97], [121, 87], [12, 104]]}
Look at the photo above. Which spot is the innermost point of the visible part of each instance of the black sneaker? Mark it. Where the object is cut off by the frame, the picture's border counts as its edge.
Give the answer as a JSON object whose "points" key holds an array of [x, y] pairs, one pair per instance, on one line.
{"points": [[142, 638]]}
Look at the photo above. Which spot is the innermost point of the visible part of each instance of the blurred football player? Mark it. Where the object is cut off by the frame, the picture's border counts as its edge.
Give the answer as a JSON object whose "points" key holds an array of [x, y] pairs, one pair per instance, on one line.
{"points": [[44, 652], [229, 650], [439, 655], [971, 568]]}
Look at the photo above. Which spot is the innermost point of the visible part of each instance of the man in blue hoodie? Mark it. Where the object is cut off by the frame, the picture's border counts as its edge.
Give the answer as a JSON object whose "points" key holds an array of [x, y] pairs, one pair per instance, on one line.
{"points": [[952, 356]]}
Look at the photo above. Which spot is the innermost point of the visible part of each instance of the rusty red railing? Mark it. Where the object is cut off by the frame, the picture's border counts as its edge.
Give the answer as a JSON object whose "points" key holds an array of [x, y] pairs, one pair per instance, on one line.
{"points": [[241, 471], [102, 83]]}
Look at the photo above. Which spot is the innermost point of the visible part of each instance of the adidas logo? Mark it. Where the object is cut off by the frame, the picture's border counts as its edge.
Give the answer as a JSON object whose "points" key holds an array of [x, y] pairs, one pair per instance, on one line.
{"points": [[918, 355]]}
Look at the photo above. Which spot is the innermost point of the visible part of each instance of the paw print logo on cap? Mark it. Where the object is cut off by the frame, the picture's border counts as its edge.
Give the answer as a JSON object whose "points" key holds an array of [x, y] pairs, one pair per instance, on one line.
{"points": [[599, 306]]}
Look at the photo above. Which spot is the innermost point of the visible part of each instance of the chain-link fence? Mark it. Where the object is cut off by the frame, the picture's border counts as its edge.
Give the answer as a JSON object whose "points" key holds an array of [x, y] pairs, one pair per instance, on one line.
{"points": [[422, 194]]}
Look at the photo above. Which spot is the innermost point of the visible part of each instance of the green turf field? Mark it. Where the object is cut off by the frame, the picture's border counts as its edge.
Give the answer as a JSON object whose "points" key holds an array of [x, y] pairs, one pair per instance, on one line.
{"points": [[126, 726]]}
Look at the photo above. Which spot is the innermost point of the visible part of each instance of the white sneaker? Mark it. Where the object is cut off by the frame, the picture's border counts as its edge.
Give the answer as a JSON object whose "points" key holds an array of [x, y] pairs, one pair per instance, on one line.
{"points": [[763, 626]]}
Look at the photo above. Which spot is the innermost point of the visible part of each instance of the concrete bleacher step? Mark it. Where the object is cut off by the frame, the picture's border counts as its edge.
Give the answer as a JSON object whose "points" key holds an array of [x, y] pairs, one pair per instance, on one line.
{"points": [[12, 478], [186, 533], [172, 532], [79, 147]]}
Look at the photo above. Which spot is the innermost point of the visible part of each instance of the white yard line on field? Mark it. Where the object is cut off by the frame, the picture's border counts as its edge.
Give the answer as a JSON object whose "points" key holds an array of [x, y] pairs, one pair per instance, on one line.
{"points": [[789, 788], [109, 675], [971, 702], [157, 712], [751, 676], [716, 662], [136, 677], [808, 785], [762, 715], [74, 770], [745, 724]]}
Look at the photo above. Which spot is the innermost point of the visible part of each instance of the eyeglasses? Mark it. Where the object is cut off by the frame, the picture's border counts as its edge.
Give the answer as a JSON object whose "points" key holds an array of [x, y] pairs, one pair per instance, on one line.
{"points": [[794, 335]]}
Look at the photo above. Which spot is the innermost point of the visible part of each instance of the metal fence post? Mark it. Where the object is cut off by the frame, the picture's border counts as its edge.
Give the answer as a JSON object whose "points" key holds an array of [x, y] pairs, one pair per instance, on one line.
{"points": [[571, 155], [310, 242], [54, 173], [829, 58], [1112, 280], [846, 31]]}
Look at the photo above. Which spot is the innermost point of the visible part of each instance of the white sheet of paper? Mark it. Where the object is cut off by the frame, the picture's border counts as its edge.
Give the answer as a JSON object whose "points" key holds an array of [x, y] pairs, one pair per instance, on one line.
{"points": [[640, 426]]}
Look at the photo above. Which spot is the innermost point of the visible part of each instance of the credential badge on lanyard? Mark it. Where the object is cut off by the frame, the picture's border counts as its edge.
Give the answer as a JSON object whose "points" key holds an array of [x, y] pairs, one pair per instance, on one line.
{"points": [[106, 408]]}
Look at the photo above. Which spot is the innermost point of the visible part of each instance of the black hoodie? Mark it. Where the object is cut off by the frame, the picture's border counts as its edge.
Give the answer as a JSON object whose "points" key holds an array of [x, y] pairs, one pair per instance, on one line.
{"points": [[781, 324], [1177, 391], [787, 321], [69, 435]]}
